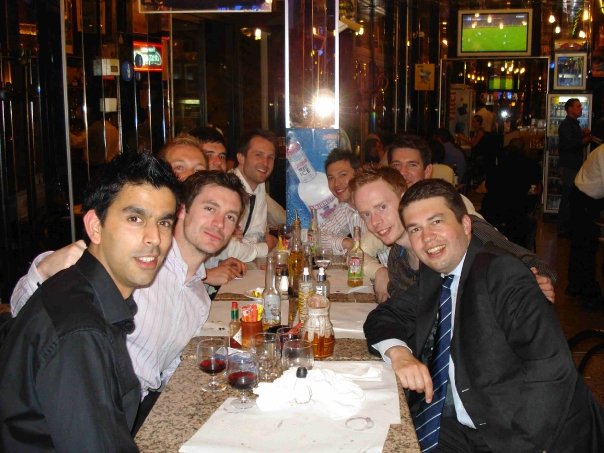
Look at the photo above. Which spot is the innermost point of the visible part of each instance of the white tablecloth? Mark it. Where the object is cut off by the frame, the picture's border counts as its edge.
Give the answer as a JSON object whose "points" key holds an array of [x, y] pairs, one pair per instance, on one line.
{"points": [[301, 429]]}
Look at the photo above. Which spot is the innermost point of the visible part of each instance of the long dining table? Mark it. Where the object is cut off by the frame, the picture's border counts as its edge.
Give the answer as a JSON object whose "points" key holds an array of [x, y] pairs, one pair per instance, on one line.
{"points": [[183, 407]]}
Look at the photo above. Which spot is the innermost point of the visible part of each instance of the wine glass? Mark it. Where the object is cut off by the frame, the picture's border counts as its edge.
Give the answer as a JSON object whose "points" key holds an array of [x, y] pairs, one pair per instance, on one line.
{"points": [[212, 355], [242, 374], [286, 333], [266, 346], [297, 353], [323, 257]]}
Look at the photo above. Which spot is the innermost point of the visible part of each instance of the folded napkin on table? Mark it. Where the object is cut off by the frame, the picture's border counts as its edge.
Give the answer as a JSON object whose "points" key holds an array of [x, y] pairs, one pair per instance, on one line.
{"points": [[333, 394]]}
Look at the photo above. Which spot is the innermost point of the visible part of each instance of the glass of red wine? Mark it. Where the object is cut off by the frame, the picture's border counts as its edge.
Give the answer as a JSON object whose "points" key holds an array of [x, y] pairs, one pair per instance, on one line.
{"points": [[212, 358], [242, 375]]}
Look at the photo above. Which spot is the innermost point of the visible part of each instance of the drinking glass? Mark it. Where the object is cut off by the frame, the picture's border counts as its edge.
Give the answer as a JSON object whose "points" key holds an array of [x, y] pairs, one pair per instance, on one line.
{"points": [[266, 349], [285, 334], [212, 357], [242, 375], [297, 353], [323, 257]]}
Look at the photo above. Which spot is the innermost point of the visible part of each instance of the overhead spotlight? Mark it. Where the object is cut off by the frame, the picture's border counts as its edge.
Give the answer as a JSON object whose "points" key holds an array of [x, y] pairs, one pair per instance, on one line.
{"points": [[551, 19], [557, 30], [257, 34], [582, 34]]}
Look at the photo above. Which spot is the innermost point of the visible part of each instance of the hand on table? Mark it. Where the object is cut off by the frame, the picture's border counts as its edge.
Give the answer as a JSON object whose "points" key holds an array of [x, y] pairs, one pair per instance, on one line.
{"points": [[226, 271], [380, 285], [545, 285], [61, 259], [412, 373]]}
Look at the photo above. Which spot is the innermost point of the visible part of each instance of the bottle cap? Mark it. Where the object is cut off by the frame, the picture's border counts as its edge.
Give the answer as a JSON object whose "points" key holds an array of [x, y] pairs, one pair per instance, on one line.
{"points": [[305, 274], [321, 275], [234, 305], [301, 372]]}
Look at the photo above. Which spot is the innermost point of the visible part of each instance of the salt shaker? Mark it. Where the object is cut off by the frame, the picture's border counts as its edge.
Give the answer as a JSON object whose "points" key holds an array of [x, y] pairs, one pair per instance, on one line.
{"points": [[302, 392]]}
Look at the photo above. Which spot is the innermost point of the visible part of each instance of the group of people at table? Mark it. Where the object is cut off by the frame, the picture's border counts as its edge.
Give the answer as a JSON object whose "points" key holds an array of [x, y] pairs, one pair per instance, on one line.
{"points": [[99, 326]]}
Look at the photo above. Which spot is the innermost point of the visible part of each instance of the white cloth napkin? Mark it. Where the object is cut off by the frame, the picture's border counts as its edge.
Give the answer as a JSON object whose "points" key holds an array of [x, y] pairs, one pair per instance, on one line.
{"points": [[333, 395]]}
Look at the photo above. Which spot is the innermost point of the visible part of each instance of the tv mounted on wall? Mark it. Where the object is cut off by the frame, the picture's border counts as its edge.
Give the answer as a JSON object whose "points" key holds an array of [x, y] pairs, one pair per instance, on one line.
{"points": [[494, 32]]}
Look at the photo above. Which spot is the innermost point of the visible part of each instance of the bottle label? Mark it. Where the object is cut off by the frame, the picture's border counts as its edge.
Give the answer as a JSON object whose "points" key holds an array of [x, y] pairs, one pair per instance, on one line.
{"points": [[355, 267], [235, 341]]}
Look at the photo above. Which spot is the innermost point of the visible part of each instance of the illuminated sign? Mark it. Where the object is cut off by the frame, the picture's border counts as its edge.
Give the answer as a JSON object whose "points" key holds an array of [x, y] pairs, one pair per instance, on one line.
{"points": [[147, 56]]}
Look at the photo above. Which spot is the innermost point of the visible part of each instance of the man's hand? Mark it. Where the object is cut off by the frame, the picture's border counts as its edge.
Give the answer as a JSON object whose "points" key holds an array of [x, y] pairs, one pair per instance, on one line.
{"points": [[271, 241], [545, 285], [380, 285], [347, 243], [412, 373], [61, 259], [226, 271]]}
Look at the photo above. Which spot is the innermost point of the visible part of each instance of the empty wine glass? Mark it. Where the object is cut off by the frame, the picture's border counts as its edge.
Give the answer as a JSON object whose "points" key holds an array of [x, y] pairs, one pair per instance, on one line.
{"points": [[297, 353], [266, 347], [242, 374], [212, 355]]}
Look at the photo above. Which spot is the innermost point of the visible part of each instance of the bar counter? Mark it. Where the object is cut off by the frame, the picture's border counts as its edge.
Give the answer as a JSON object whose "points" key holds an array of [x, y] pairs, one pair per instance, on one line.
{"points": [[183, 407]]}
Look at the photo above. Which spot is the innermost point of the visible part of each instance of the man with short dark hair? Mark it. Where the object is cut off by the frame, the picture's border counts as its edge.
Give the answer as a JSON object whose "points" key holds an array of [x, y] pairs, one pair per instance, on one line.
{"points": [[479, 340], [213, 146], [571, 145], [255, 161], [67, 381]]}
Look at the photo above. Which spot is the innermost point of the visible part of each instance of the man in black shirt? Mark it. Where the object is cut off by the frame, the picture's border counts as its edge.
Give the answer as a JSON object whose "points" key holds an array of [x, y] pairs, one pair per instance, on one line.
{"points": [[571, 145], [66, 379]]}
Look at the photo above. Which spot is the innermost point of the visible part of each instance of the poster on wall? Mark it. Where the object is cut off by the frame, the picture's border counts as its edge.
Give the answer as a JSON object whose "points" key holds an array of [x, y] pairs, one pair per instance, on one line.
{"points": [[424, 77], [306, 181]]}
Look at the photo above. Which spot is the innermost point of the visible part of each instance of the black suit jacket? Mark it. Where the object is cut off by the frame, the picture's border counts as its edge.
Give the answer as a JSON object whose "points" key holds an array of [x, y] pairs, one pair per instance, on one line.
{"points": [[513, 369]]}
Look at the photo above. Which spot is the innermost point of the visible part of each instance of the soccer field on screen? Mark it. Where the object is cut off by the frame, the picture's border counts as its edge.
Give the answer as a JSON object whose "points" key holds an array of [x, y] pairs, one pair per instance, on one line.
{"points": [[494, 39]]}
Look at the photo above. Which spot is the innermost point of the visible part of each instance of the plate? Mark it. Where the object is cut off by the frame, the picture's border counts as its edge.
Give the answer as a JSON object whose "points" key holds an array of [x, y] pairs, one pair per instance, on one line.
{"points": [[255, 294]]}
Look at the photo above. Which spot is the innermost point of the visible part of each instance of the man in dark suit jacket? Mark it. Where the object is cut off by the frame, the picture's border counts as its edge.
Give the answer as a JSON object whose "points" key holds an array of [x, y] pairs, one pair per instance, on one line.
{"points": [[512, 385]]}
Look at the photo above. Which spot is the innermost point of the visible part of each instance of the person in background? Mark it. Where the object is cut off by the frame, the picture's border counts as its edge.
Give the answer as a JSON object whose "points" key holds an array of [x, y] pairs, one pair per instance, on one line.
{"points": [[509, 204], [373, 149], [454, 157], [477, 344], [587, 201], [255, 161], [174, 306], [440, 170], [67, 380], [485, 150], [185, 156], [485, 112], [572, 140], [213, 146], [103, 141]]}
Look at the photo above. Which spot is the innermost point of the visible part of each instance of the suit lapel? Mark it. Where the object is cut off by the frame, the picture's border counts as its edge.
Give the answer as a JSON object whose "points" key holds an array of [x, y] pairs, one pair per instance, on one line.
{"points": [[429, 290], [473, 249]]}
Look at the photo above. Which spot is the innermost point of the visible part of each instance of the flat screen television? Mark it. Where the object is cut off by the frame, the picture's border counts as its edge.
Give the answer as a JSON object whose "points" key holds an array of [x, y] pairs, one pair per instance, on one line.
{"points": [[494, 32]]}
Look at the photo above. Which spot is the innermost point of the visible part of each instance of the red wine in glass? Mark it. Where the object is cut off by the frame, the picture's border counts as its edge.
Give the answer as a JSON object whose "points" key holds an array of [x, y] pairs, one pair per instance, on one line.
{"points": [[242, 380], [212, 358], [213, 365], [242, 375]]}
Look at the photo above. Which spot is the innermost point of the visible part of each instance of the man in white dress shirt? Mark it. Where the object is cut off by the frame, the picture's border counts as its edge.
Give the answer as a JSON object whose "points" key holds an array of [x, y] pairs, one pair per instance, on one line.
{"points": [[173, 309], [255, 162]]}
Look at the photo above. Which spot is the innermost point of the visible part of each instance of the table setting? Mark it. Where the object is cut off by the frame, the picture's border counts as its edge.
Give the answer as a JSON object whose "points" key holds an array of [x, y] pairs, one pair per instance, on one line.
{"points": [[242, 387]]}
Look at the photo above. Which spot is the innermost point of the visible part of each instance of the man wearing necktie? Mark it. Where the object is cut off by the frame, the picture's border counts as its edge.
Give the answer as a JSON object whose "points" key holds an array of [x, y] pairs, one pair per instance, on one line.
{"points": [[477, 344]]}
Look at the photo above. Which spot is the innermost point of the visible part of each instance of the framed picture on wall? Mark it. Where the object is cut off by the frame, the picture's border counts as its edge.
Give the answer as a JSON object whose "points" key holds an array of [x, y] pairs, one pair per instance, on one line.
{"points": [[570, 71]]}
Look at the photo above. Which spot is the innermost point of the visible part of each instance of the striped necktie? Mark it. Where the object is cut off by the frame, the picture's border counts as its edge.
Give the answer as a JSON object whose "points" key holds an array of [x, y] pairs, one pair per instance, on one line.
{"points": [[427, 420]]}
